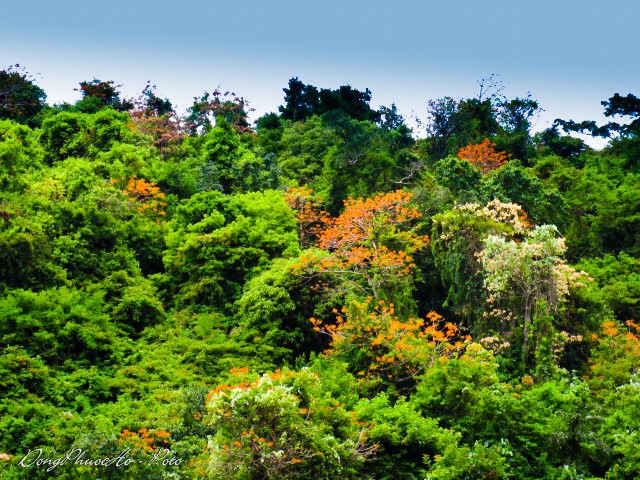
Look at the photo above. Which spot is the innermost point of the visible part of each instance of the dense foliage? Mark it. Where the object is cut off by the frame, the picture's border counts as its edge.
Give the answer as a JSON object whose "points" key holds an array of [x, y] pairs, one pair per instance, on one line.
{"points": [[319, 295]]}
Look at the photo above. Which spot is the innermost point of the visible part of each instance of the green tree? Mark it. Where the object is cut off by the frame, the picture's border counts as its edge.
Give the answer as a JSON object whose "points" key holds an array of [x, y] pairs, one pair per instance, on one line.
{"points": [[97, 94], [303, 101], [280, 426], [218, 242], [21, 99], [20, 153], [228, 164]]}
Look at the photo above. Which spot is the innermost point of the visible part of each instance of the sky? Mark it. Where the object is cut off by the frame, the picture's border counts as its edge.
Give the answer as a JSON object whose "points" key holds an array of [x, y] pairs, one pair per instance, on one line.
{"points": [[569, 54]]}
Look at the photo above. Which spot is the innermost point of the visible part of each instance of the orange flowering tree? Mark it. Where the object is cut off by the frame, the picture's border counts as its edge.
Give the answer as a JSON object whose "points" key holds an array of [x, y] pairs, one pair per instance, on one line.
{"points": [[282, 425], [370, 247], [309, 212], [145, 195], [148, 454], [145, 441], [484, 156], [378, 344], [617, 355]]}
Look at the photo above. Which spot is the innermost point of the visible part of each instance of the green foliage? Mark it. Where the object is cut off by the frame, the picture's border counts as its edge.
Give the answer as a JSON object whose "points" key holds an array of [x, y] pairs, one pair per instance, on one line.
{"points": [[20, 154], [619, 430], [619, 280], [407, 441], [281, 425], [228, 165], [304, 101], [218, 242], [70, 134], [275, 308], [21, 100], [460, 177], [59, 326], [457, 238], [303, 149], [26, 255], [145, 258], [513, 183]]}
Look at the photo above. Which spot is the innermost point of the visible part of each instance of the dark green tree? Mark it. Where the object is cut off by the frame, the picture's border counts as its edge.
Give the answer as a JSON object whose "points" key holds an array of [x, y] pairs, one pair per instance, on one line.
{"points": [[20, 98]]}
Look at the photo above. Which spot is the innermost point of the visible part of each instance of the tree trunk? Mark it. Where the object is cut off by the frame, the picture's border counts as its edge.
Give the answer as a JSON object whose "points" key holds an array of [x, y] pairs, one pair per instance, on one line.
{"points": [[525, 329]]}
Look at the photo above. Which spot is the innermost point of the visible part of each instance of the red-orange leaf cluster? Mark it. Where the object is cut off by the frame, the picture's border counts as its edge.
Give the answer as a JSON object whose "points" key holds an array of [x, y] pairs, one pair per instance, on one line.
{"points": [[484, 156], [146, 195], [383, 345], [371, 244], [144, 440]]}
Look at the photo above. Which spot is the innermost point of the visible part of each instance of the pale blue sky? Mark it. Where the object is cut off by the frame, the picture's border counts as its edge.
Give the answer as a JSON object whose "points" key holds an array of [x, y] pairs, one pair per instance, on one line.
{"points": [[570, 54]]}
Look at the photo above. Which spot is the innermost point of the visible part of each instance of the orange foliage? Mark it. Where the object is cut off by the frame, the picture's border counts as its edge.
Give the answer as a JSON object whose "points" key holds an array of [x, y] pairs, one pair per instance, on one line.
{"points": [[371, 243], [483, 155], [146, 195], [364, 220], [311, 217], [618, 352], [144, 440], [390, 347], [625, 344]]}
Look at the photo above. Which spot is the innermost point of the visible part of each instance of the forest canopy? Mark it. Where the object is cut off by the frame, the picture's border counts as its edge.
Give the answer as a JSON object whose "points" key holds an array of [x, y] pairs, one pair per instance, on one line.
{"points": [[322, 293]]}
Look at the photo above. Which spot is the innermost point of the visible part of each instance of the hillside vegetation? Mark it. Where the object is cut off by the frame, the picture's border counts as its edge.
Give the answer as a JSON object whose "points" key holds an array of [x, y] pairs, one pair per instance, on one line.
{"points": [[320, 294]]}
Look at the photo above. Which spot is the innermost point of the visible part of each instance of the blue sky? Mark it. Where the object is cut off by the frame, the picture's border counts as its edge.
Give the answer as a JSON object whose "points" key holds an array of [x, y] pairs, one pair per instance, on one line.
{"points": [[569, 54]]}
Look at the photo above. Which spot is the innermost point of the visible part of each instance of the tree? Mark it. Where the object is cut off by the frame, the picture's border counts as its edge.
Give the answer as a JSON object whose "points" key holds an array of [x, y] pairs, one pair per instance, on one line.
{"points": [[561, 145], [274, 310], [370, 151], [625, 138], [20, 98], [74, 134], [441, 124], [457, 237], [377, 344], [627, 106], [303, 150], [513, 183], [516, 114], [146, 196], [452, 124], [97, 94], [218, 242], [20, 153], [484, 156], [460, 176], [303, 101], [619, 280], [392, 121], [616, 356], [353, 102], [212, 108], [312, 217], [371, 246], [228, 164], [527, 279], [155, 117], [153, 103], [282, 425]]}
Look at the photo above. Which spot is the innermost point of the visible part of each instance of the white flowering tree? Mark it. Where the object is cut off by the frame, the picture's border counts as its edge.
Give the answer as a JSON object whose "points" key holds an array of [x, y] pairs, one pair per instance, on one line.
{"points": [[526, 279], [457, 238]]}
